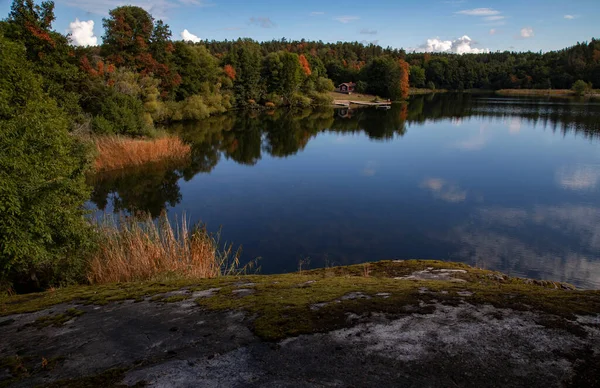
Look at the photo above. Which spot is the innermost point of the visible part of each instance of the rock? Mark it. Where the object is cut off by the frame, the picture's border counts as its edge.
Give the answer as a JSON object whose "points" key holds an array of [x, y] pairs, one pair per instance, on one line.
{"points": [[355, 295], [243, 291], [205, 293]]}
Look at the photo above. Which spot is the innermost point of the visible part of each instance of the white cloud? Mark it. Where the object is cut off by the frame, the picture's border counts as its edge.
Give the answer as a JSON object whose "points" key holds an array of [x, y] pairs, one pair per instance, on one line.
{"points": [[570, 17], [262, 21], [444, 190], [317, 13], [346, 19], [493, 18], [189, 37], [462, 45], [479, 12], [493, 31], [514, 125], [82, 33], [578, 177], [527, 32]]}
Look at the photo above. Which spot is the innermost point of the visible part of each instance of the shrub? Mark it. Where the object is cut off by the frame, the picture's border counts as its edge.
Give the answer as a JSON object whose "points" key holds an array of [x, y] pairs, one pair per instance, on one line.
{"points": [[362, 87], [102, 126], [43, 234], [124, 112], [580, 87], [430, 85], [300, 100], [324, 85], [321, 98]]}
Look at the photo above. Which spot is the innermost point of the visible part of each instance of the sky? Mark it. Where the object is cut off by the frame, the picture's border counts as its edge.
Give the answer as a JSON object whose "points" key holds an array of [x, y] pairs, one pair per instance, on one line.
{"points": [[460, 26]]}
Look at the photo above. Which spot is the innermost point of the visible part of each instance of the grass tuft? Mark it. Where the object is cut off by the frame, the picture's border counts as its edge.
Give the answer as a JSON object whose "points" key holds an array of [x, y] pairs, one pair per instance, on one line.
{"points": [[139, 248], [116, 152]]}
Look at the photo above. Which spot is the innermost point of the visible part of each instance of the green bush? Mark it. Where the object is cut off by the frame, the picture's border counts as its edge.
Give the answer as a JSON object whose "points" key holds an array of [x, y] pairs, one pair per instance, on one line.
{"points": [[321, 98], [580, 87], [362, 87], [102, 126], [124, 112], [43, 233], [300, 100], [324, 85]]}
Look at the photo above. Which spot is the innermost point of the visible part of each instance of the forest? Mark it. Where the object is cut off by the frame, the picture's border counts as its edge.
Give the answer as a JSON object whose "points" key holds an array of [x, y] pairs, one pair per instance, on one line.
{"points": [[139, 77], [53, 94]]}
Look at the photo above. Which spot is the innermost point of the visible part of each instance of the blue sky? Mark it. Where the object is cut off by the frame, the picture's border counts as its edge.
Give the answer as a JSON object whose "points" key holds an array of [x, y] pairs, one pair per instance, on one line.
{"points": [[426, 25]]}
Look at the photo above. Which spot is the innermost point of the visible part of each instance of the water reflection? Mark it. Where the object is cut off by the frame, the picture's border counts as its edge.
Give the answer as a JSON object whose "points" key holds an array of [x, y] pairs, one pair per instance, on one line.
{"points": [[537, 242], [508, 184]]}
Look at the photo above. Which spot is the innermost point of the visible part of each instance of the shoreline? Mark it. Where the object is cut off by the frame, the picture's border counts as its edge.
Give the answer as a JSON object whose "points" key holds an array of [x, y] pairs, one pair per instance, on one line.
{"points": [[424, 312]]}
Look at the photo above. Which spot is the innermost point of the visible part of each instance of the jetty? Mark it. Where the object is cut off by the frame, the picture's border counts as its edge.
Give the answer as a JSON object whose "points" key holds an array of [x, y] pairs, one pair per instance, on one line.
{"points": [[347, 103]]}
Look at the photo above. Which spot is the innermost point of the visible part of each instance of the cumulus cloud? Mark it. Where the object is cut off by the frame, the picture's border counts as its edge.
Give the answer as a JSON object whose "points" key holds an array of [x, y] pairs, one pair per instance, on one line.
{"points": [[82, 33], [526, 32], [189, 37], [263, 22], [479, 12], [462, 45], [366, 31], [346, 19], [570, 17]]}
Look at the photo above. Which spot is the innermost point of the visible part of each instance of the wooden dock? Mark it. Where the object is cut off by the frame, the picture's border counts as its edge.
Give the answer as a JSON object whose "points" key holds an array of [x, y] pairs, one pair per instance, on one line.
{"points": [[347, 103]]}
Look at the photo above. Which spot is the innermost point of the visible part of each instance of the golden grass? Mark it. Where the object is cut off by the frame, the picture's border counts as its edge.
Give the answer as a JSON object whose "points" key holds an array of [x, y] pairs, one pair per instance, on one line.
{"points": [[115, 152], [134, 249]]}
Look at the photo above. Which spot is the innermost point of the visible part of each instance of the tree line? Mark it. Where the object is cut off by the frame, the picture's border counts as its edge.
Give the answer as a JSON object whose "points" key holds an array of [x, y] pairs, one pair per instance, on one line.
{"points": [[139, 77]]}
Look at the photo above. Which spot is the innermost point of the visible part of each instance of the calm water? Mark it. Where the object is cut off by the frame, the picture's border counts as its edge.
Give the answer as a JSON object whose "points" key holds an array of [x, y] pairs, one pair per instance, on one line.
{"points": [[502, 183]]}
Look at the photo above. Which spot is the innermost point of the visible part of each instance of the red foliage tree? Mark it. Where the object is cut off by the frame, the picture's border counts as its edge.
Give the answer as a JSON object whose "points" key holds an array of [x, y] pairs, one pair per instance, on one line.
{"points": [[229, 72], [404, 84], [305, 65]]}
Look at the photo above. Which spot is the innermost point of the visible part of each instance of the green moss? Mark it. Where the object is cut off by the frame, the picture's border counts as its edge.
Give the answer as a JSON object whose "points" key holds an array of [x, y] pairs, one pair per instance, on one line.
{"points": [[284, 305], [101, 294], [56, 319]]}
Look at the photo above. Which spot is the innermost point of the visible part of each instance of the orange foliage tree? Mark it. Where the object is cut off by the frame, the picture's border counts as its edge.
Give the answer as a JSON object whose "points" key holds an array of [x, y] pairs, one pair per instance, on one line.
{"points": [[305, 65], [229, 72], [405, 72]]}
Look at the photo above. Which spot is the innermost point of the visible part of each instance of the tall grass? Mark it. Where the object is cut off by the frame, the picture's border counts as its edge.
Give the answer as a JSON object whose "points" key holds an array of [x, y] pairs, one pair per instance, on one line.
{"points": [[115, 152], [139, 248]]}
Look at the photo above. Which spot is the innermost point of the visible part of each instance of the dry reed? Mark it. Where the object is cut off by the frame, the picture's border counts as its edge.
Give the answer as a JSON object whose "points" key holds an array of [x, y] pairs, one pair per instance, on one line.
{"points": [[115, 152], [134, 249]]}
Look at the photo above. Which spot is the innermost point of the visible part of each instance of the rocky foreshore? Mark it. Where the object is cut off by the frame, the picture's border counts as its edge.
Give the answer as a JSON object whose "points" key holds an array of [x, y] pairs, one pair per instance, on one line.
{"points": [[393, 323]]}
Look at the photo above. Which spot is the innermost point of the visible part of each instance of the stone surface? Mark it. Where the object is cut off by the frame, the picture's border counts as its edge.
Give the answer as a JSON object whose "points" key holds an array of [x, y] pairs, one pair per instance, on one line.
{"points": [[178, 345]]}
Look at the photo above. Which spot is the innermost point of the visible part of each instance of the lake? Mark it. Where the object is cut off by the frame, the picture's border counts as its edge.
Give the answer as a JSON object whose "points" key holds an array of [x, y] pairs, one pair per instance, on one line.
{"points": [[508, 184]]}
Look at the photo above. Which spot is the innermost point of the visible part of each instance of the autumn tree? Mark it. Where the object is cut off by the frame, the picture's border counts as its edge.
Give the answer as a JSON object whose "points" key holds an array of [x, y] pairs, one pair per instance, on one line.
{"points": [[133, 39], [305, 65], [49, 53], [404, 75]]}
